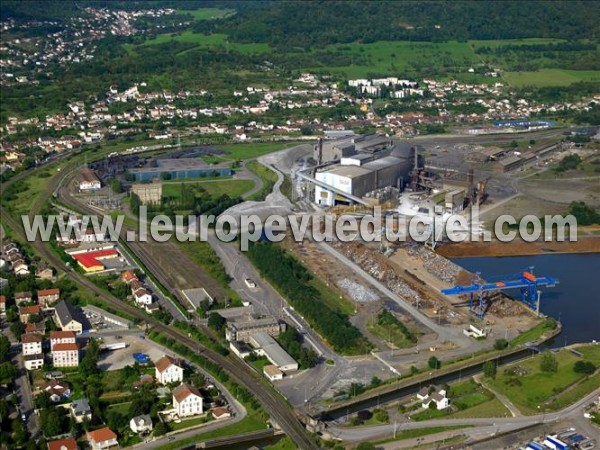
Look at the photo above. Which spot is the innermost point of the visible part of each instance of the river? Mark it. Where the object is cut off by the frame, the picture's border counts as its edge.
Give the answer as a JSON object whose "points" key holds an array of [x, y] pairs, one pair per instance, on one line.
{"points": [[575, 301]]}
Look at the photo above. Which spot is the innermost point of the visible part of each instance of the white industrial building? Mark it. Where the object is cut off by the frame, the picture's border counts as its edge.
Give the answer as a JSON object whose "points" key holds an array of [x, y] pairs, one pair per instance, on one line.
{"points": [[360, 174], [265, 345]]}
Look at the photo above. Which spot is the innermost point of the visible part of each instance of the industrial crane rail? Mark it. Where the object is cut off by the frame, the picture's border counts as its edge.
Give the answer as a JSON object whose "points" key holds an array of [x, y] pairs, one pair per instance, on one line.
{"points": [[527, 282]]}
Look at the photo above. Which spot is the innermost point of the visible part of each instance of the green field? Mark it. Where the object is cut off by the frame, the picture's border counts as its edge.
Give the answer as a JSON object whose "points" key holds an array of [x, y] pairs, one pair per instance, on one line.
{"points": [[537, 388], [468, 399], [267, 176], [550, 77], [207, 13], [205, 41], [401, 57], [535, 333], [390, 333], [246, 151], [216, 188]]}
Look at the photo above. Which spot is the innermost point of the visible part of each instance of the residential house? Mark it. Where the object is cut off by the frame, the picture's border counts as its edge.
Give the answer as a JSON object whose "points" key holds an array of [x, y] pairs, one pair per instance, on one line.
{"points": [[168, 370], [81, 410], [65, 355], [39, 328], [34, 362], [2, 304], [62, 337], [47, 297], [102, 438], [44, 272], [142, 297], [63, 444], [141, 424], [25, 312], [433, 394], [23, 297], [187, 400], [32, 344], [220, 413], [128, 276], [58, 390], [68, 318], [20, 267]]}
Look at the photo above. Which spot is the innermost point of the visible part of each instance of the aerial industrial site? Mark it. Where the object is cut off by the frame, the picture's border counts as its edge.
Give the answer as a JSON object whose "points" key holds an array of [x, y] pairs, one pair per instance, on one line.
{"points": [[217, 237]]}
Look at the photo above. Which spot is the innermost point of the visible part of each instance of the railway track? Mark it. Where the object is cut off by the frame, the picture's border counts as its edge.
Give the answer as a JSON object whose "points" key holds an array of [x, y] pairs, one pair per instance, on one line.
{"points": [[273, 403]]}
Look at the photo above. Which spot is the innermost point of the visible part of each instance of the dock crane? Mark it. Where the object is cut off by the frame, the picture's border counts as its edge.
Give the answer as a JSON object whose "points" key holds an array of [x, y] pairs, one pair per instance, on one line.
{"points": [[526, 281]]}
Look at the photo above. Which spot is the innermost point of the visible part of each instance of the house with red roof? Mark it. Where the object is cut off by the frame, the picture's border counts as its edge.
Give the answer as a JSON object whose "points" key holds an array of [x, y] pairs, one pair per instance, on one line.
{"points": [[102, 438]]}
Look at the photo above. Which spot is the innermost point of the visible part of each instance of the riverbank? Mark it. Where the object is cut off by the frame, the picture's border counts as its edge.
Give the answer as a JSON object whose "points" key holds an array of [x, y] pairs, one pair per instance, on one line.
{"points": [[517, 248]]}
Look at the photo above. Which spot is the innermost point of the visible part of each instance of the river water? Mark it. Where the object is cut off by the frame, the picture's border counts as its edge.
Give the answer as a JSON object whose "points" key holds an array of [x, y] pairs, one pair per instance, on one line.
{"points": [[575, 301]]}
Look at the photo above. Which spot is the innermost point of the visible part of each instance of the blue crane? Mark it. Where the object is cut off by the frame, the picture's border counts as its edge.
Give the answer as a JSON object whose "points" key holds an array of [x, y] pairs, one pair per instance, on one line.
{"points": [[526, 281]]}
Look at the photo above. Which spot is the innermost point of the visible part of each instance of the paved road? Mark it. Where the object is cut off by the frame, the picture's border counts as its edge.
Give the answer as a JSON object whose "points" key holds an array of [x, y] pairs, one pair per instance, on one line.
{"points": [[357, 434], [21, 384]]}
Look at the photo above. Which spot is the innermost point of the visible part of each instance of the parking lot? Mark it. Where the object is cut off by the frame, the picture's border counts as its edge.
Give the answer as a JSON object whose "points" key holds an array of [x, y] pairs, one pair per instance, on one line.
{"points": [[136, 343]]}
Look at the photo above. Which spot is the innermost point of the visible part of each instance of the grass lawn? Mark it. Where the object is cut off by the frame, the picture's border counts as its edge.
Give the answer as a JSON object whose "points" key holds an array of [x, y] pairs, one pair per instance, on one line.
{"points": [[207, 13], [471, 399], [537, 388], [550, 77], [267, 176], [204, 255], [251, 422], [489, 408], [331, 298], [260, 363], [390, 333], [216, 188], [246, 151], [534, 333], [122, 408], [393, 57], [204, 41], [284, 443], [189, 423], [418, 432]]}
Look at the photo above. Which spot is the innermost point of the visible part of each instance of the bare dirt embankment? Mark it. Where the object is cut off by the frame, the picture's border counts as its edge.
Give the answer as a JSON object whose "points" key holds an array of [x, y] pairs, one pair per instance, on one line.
{"points": [[518, 248]]}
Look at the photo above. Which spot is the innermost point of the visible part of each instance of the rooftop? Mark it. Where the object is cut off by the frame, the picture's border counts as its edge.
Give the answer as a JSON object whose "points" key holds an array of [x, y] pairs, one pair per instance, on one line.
{"points": [[101, 435], [348, 171], [183, 391], [274, 351]]}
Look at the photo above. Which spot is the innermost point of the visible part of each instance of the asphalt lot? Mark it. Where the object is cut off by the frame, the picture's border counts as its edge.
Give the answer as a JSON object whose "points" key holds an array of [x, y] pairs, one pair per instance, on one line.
{"points": [[117, 359]]}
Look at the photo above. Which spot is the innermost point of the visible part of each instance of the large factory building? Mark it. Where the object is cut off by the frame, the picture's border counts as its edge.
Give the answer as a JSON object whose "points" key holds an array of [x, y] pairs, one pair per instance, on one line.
{"points": [[356, 177]]}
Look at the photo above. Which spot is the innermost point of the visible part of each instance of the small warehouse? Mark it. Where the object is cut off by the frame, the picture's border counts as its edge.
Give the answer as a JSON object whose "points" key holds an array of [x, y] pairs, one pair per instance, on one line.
{"points": [[265, 345]]}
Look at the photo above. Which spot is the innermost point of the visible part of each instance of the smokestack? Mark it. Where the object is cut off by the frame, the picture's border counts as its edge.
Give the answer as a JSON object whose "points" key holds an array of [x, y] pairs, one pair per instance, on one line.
{"points": [[470, 178], [320, 156]]}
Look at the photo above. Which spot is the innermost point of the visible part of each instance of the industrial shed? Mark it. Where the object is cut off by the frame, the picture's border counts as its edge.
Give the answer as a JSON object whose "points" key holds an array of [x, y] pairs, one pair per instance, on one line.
{"points": [[267, 346]]}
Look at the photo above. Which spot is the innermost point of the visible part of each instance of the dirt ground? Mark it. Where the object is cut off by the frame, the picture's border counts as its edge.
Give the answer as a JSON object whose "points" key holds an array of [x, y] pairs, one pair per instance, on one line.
{"points": [[465, 249], [330, 271]]}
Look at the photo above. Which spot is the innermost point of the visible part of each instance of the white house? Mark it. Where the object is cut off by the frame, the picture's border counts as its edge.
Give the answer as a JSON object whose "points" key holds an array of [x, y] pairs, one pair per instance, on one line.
{"points": [[141, 424], [65, 355], [433, 394], [187, 401], [168, 370], [142, 297], [32, 344], [62, 337], [33, 362], [102, 438]]}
